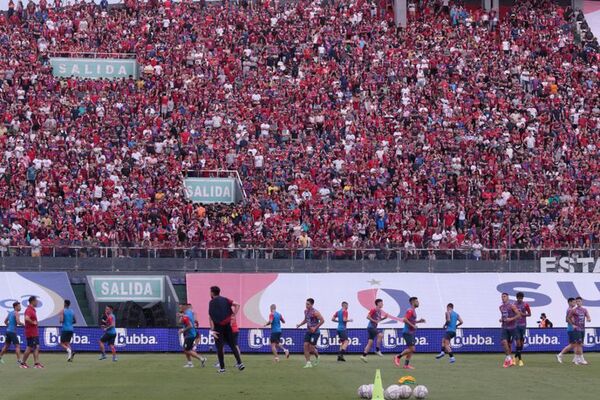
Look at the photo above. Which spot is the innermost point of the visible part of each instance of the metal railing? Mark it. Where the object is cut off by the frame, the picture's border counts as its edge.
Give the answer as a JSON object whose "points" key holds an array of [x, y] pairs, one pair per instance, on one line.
{"points": [[177, 261], [208, 252]]}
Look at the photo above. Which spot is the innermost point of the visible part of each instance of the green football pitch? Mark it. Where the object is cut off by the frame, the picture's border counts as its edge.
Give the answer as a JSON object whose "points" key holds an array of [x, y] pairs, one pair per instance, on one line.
{"points": [[161, 376]]}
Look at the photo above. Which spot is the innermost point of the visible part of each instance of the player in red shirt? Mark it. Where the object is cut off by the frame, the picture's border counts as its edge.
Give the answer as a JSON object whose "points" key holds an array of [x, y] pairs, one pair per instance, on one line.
{"points": [[408, 334], [32, 335]]}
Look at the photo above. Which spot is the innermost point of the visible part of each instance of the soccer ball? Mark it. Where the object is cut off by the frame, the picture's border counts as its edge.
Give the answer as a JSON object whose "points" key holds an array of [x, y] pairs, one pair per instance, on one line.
{"points": [[369, 392], [420, 392], [365, 391], [404, 392], [392, 393]]}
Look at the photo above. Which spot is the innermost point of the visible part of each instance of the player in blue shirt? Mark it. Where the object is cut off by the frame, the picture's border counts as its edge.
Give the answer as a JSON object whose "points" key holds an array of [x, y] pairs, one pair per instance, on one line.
{"points": [[12, 321], [341, 317], [67, 320], [453, 321], [189, 332], [275, 321]]}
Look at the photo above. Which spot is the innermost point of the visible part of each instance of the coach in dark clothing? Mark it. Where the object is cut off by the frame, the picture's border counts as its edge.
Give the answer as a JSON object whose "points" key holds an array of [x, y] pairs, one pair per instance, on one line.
{"points": [[221, 310]]}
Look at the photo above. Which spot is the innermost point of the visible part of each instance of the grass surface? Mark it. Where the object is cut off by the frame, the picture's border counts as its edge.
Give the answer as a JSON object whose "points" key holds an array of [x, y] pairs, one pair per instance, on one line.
{"points": [[161, 376]]}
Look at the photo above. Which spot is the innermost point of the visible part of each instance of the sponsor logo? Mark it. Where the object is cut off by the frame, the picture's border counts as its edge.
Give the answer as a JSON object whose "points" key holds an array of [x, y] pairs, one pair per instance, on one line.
{"points": [[591, 338], [258, 339], [461, 340], [390, 338], [8, 303], [124, 339], [3, 339], [52, 338], [540, 339]]}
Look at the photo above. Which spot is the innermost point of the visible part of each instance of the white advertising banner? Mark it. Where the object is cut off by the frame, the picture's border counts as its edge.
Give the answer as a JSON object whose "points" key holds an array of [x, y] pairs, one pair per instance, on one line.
{"points": [[476, 296]]}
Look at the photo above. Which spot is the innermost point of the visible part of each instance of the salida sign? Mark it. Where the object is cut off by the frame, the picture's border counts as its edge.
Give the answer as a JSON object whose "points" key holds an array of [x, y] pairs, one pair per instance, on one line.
{"points": [[127, 288], [93, 68], [570, 264]]}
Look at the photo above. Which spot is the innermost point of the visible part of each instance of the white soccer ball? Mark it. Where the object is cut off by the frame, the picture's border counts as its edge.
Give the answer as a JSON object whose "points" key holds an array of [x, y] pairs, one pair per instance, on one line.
{"points": [[404, 392], [392, 392], [365, 391], [420, 392], [369, 392]]}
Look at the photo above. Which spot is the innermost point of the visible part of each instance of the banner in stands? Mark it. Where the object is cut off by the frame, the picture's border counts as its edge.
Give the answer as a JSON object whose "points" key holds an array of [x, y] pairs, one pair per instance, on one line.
{"points": [[211, 190], [94, 68], [51, 289], [476, 296], [257, 340]]}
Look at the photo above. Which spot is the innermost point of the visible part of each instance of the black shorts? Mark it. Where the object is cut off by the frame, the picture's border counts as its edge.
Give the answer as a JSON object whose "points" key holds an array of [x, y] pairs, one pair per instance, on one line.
{"points": [[577, 337], [520, 333], [235, 337], [450, 335], [11, 338], [66, 336], [373, 333], [343, 335], [509, 334], [409, 338], [312, 337], [33, 341], [188, 343], [108, 338], [275, 337], [571, 337]]}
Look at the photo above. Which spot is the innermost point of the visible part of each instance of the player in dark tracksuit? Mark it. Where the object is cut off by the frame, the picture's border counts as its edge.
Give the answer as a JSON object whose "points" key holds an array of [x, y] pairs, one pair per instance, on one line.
{"points": [[221, 310]]}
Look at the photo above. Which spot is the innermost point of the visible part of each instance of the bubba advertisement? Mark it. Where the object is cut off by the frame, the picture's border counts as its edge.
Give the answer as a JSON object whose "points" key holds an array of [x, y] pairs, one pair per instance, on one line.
{"points": [[476, 296], [51, 289], [257, 340]]}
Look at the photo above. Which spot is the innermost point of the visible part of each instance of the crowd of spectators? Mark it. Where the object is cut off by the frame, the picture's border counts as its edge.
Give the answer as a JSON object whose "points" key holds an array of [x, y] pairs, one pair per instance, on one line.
{"points": [[465, 129]]}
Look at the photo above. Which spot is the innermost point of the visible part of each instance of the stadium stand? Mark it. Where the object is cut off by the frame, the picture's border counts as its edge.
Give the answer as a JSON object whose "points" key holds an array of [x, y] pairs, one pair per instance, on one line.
{"points": [[462, 131]]}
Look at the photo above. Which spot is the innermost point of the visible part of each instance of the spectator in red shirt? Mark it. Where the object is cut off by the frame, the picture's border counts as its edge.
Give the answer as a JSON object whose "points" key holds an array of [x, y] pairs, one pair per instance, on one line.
{"points": [[32, 335]]}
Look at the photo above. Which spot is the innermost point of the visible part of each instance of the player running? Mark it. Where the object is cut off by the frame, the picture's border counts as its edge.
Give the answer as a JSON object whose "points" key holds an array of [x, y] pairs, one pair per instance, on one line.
{"points": [[12, 321], [571, 345], [525, 312], [110, 334], [509, 316], [578, 317], [32, 334], [275, 321], [341, 317], [189, 333], [408, 333], [453, 321], [375, 316], [313, 320], [67, 320]]}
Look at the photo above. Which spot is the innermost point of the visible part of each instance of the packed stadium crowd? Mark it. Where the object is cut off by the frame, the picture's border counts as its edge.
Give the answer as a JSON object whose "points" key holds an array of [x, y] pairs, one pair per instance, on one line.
{"points": [[465, 129]]}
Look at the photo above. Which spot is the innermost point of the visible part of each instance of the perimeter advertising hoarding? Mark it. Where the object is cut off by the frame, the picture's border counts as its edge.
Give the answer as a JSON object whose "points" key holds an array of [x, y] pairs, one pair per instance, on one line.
{"points": [[257, 340], [476, 296], [51, 289]]}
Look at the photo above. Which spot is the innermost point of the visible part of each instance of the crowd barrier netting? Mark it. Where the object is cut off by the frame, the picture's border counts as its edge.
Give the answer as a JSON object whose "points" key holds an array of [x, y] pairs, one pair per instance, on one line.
{"points": [[479, 340]]}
